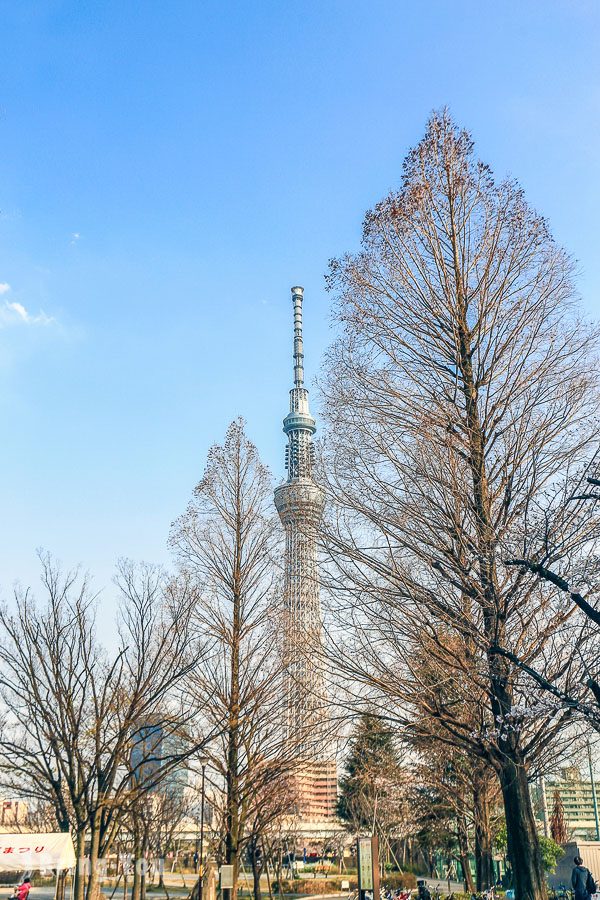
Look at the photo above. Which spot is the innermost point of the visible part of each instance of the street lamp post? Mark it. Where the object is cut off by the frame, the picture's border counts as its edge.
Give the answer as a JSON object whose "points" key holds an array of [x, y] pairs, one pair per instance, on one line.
{"points": [[594, 798], [544, 805], [202, 786]]}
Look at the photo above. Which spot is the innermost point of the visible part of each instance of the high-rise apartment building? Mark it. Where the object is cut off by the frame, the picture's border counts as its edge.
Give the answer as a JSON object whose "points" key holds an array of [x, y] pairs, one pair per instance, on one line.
{"points": [[577, 796]]}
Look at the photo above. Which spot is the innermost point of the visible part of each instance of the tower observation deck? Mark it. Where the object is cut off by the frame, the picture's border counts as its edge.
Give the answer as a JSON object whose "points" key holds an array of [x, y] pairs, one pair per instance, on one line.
{"points": [[300, 502]]}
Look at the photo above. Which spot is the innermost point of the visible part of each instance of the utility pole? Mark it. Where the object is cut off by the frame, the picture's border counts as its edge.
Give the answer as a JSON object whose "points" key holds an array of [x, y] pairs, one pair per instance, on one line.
{"points": [[594, 798]]}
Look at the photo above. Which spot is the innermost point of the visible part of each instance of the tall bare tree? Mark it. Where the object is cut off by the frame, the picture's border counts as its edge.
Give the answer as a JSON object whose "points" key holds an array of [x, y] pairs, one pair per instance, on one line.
{"points": [[459, 396], [75, 711], [226, 543]]}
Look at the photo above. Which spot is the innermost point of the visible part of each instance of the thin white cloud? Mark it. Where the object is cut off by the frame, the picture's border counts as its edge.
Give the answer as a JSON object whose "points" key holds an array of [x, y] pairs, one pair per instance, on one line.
{"points": [[16, 314], [4, 287], [20, 310], [75, 235]]}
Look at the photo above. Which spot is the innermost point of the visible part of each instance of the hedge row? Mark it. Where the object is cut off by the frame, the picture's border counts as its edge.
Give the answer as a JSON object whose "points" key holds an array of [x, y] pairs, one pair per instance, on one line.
{"points": [[310, 886], [396, 880], [332, 885]]}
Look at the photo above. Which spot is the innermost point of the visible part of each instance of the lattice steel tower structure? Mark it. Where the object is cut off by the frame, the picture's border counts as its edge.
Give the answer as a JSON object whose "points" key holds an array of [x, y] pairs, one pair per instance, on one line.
{"points": [[300, 503]]}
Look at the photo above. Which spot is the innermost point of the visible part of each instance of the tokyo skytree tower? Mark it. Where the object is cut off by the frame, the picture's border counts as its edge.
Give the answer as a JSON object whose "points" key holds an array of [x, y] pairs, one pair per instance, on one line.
{"points": [[300, 502]]}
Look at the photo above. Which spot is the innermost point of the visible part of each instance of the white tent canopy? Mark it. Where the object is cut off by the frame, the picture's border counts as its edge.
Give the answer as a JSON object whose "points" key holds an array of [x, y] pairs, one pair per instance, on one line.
{"points": [[23, 852]]}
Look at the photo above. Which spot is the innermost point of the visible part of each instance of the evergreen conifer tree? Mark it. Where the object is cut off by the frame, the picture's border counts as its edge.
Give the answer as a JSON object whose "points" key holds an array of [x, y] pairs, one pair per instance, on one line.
{"points": [[370, 786]]}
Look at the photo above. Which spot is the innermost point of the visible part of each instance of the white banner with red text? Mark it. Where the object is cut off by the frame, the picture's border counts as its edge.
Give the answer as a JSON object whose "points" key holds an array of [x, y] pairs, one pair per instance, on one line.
{"points": [[22, 852]]}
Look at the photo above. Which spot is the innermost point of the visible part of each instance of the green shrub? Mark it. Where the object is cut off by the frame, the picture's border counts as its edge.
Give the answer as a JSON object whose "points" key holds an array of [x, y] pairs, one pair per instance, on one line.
{"points": [[551, 853], [12, 878]]}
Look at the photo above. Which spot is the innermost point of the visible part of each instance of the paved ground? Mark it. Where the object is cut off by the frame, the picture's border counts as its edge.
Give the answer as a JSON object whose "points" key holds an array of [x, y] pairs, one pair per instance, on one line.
{"points": [[178, 890], [47, 892]]}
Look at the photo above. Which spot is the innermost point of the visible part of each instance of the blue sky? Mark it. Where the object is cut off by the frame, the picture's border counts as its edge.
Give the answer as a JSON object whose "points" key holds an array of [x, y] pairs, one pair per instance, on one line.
{"points": [[169, 170]]}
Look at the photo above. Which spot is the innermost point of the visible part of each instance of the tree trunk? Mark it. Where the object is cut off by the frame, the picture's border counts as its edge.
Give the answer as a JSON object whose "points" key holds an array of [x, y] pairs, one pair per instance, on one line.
{"points": [[79, 876], [144, 863], [484, 866], [161, 869], [523, 844], [266, 868], [431, 863], [231, 842], [256, 873], [61, 880], [463, 845], [232, 819], [278, 872], [136, 888], [144, 866], [93, 885], [195, 892], [522, 837], [61, 876]]}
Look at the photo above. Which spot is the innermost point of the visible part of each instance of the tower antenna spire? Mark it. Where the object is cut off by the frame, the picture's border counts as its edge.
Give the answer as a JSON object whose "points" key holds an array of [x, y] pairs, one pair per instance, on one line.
{"points": [[297, 296]]}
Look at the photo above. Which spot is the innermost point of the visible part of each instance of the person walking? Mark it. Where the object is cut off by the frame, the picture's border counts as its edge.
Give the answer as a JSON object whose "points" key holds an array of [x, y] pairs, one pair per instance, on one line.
{"points": [[582, 881]]}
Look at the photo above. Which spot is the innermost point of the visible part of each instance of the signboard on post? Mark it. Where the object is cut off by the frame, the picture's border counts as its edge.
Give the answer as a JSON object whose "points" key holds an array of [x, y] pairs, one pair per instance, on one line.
{"points": [[367, 855], [226, 873], [365, 864]]}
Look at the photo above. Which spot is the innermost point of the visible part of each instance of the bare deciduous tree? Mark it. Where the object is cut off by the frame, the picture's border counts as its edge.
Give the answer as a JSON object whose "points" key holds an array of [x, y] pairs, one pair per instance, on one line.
{"points": [[459, 397], [75, 711], [226, 543]]}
